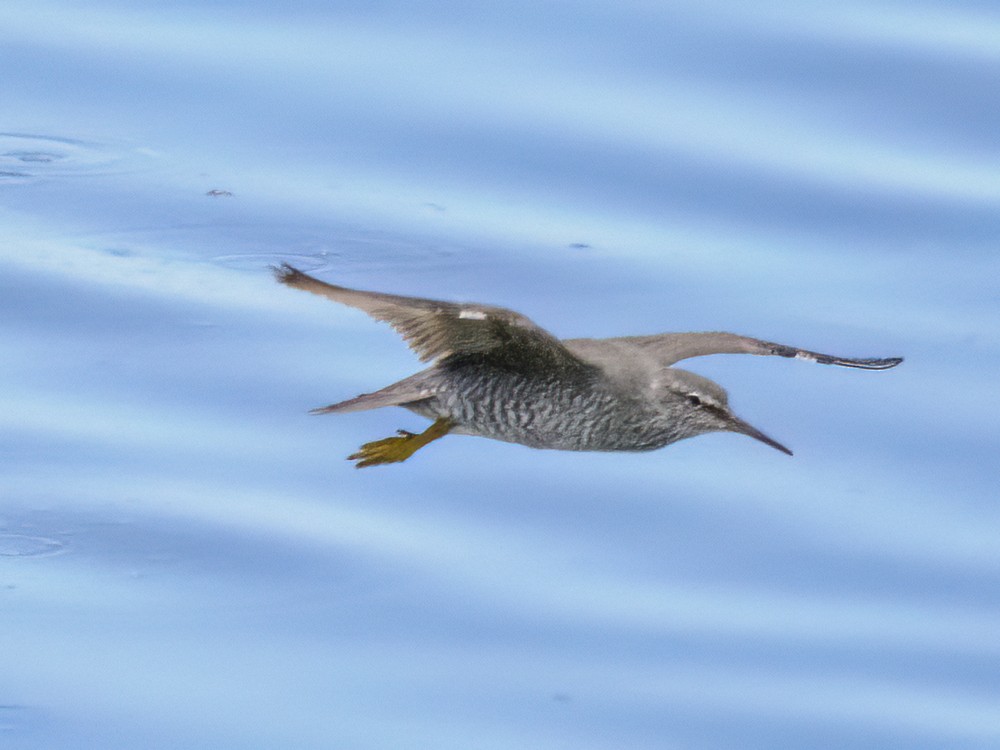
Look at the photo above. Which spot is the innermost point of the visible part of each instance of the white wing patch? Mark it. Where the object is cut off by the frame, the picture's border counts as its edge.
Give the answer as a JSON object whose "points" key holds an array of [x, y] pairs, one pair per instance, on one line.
{"points": [[806, 356], [472, 315]]}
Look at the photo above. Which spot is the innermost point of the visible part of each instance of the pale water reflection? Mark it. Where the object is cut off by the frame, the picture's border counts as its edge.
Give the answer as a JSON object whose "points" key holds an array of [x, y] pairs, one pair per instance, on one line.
{"points": [[187, 560]]}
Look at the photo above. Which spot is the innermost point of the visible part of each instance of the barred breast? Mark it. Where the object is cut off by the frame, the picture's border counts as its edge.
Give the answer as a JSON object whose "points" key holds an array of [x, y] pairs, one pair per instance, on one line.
{"points": [[560, 410]]}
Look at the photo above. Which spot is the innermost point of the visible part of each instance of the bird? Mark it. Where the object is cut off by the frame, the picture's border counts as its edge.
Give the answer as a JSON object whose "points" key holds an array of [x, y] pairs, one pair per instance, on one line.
{"points": [[496, 374]]}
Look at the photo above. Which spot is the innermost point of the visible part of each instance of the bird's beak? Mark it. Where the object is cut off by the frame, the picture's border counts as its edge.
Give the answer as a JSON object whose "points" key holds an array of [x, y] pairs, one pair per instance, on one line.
{"points": [[738, 425]]}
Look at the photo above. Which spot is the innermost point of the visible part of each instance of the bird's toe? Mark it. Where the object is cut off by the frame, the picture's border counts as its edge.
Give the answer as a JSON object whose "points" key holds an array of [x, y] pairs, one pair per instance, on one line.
{"points": [[389, 450]]}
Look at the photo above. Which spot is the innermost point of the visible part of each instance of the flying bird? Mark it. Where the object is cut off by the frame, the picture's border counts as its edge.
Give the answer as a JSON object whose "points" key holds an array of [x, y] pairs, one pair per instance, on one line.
{"points": [[496, 374]]}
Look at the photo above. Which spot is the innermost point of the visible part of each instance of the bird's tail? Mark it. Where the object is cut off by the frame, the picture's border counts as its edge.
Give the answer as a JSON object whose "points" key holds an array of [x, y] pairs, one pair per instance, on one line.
{"points": [[398, 394]]}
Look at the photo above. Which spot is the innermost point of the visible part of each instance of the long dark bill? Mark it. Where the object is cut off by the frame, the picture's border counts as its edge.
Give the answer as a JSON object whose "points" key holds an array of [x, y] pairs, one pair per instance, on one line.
{"points": [[744, 428]]}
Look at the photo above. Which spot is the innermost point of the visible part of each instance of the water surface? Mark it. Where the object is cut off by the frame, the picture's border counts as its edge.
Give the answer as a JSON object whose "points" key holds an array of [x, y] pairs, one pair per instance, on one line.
{"points": [[187, 560]]}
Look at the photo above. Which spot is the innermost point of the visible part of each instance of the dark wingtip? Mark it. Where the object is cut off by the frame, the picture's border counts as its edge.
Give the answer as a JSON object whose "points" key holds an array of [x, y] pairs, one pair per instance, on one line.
{"points": [[862, 363], [285, 273], [872, 363]]}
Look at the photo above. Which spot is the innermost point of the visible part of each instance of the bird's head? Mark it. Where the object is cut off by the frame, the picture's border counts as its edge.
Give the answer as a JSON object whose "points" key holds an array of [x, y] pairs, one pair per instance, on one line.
{"points": [[696, 405]]}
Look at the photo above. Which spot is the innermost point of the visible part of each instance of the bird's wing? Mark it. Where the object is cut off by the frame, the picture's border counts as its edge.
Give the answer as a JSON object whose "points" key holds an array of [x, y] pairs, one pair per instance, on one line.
{"points": [[668, 348], [436, 329]]}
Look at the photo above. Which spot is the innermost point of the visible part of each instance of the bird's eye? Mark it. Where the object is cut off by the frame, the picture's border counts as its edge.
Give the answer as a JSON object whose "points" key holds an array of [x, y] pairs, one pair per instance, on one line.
{"points": [[694, 400]]}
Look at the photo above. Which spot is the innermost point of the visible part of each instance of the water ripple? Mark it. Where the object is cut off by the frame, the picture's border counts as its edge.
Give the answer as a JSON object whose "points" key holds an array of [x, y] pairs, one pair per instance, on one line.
{"points": [[25, 157], [23, 545]]}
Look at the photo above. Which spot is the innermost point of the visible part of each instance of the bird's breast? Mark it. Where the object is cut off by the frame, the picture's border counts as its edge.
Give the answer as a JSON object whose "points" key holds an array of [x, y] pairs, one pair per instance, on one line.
{"points": [[576, 410]]}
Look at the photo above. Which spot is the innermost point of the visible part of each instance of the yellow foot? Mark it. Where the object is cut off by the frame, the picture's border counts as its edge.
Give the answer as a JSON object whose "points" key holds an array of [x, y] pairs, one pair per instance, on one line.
{"points": [[395, 449]]}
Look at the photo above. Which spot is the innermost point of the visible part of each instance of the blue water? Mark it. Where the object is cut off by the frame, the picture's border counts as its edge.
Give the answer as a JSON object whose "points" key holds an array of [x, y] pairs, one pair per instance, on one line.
{"points": [[187, 560]]}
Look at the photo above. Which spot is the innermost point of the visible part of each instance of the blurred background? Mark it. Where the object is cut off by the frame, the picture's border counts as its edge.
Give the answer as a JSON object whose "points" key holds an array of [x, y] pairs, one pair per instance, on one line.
{"points": [[187, 560]]}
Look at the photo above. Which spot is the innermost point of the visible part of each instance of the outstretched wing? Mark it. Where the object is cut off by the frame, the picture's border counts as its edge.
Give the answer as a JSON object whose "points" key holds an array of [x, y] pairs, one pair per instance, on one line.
{"points": [[668, 348], [436, 329]]}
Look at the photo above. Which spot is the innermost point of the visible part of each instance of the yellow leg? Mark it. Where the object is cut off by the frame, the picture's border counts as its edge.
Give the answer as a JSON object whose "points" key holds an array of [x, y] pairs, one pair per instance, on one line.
{"points": [[395, 449]]}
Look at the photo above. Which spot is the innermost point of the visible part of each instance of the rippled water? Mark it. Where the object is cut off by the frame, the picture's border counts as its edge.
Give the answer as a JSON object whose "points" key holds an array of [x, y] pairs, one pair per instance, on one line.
{"points": [[187, 560]]}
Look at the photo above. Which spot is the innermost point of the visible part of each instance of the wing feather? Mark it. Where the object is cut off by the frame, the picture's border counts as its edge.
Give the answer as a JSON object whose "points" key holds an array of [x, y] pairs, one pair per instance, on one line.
{"points": [[669, 348], [436, 329]]}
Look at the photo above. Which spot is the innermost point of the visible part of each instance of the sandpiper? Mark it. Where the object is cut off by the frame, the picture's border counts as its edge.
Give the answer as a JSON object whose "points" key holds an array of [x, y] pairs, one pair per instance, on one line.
{"points": [[497, 374]]}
